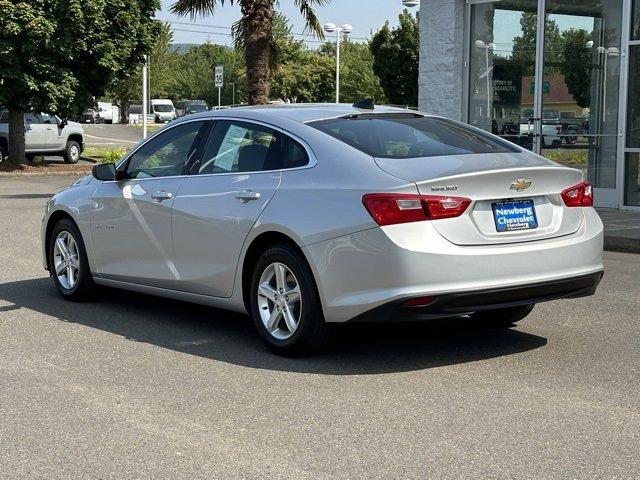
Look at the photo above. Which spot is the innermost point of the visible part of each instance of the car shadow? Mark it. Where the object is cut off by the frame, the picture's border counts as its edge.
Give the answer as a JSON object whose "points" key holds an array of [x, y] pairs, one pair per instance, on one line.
{"points": [[229, 337]]}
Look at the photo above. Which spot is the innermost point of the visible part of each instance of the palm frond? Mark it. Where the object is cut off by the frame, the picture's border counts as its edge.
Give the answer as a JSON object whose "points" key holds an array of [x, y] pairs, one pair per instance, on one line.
{"points": [[308, 13], [193, 8]]}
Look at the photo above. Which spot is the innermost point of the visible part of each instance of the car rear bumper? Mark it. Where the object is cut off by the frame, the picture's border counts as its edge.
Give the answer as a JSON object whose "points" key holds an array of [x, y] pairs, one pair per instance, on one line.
{"points": [[462, 303], [360, 272]]}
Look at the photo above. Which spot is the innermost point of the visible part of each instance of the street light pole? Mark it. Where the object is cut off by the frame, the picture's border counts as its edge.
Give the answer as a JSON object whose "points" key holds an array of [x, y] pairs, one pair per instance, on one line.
{"points": [[486, 47], [344, 29], [338, 65], [233, 95], [144, 98]]}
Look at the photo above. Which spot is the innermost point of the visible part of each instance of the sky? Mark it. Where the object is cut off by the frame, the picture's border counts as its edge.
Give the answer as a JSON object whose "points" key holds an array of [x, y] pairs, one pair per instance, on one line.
{"points": [[366, 17]]}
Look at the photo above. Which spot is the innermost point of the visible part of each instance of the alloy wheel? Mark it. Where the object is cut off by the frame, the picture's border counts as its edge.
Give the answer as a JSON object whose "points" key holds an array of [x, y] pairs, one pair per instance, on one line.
{"points": [[279, 301], [66, 260], [74, 153]]}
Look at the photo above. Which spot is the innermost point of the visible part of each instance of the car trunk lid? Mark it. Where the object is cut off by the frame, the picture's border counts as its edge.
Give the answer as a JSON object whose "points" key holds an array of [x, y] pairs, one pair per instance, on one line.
{"points": [[498, 185]]}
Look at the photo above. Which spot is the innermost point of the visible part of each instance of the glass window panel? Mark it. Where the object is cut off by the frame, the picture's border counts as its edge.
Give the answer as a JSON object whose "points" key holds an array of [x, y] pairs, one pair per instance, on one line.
{"points": [[580, 90], [635, 20], [632, 179], [633, 102], [502, 67]]}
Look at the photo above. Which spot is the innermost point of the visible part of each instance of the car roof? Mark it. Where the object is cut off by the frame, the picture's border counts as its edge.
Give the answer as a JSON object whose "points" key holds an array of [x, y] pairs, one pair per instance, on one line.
{"points": [[300, 112]]}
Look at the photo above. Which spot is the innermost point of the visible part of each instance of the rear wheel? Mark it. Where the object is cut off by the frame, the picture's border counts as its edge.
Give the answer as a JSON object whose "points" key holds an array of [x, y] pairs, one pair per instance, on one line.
{"points": [[68, 263], [502, 317], [71, 152], [285, 305]]}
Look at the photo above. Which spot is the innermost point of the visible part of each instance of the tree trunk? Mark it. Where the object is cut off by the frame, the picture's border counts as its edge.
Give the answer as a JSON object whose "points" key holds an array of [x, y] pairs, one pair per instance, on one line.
{"points": [[257, 18], [16, 139]]}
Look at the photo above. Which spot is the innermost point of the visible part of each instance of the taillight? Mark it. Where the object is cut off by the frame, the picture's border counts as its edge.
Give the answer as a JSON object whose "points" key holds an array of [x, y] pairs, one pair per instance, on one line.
{"points": [[580, 195], [393, 208]]}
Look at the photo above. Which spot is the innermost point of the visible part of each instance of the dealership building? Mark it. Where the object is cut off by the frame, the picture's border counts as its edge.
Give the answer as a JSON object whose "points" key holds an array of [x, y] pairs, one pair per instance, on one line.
{"points": [[559, 77]]}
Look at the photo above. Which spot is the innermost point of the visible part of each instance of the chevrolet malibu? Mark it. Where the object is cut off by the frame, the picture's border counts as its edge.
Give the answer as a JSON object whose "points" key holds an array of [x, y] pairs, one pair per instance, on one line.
{"points": [[308, 215]]}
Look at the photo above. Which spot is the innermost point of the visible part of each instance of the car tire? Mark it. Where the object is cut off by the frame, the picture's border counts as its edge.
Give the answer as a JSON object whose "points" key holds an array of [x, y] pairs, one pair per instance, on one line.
{"points": [[79, 285], [502, 317], [71, 152], [3, 153], [289, 327]]}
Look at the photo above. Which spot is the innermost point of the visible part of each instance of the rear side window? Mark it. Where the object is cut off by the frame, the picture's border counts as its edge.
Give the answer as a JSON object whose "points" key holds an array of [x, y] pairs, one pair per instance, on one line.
{"points": [[241, 147], [408, 136], [294, 154]]}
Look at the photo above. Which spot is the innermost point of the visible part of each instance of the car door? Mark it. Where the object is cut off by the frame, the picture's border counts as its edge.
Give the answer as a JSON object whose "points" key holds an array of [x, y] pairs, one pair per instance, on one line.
{"points": [[220, 201], [57, 134], [131, 217], [35, 133]]}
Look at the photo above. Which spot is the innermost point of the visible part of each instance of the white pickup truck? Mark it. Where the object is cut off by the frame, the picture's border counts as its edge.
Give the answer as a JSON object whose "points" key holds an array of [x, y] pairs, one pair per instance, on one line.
{"points": [[45, 135]]}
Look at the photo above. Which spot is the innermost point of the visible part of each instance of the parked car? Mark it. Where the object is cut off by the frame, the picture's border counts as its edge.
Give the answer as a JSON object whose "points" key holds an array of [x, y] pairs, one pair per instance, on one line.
{"points": [[163, 110], [90, 116], [46, 135], [304, 215], [188, 107], [134, 115]]}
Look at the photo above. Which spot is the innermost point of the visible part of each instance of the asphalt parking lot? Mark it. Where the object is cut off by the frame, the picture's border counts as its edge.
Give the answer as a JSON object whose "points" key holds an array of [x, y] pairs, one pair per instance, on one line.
{"points": [[133, 386]]}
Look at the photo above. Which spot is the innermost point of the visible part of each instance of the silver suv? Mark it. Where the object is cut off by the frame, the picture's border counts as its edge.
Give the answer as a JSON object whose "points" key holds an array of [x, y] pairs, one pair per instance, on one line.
{"points": [[45, 135]]}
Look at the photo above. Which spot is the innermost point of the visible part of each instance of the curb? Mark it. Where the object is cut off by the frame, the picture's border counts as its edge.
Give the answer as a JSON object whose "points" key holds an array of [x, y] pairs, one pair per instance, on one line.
{"points": [[621, 244]]}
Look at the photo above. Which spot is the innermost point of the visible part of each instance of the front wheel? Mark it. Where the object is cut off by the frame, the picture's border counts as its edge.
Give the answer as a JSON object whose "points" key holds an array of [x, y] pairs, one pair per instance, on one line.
{"points": [[502, 317], [3, 153], [68, 263], [285, 304], [71, 152]]}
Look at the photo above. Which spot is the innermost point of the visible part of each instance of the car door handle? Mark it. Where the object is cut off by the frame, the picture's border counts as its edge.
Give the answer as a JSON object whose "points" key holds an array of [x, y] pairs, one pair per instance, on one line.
{"points": [[161, 196], [247, 195]]}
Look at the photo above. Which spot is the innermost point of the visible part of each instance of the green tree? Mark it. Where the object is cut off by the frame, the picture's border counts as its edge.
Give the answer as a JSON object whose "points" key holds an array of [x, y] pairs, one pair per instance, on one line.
{"points": [[58, 55], [162, 64], [308, 78], [576, 67], [254, 35], [194, 76], [357, 77], [524, 45], [127, 88], [395, 59]]}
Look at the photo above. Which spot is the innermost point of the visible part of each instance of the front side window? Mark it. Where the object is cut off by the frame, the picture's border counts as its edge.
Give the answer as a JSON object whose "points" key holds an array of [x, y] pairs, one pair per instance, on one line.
{"points": [[167, 154], [241, 147], [410, 136]]}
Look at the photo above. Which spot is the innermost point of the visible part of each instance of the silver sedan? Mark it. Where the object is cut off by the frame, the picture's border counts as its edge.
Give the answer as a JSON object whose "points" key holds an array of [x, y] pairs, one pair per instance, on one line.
{"points": [[306, 215]]}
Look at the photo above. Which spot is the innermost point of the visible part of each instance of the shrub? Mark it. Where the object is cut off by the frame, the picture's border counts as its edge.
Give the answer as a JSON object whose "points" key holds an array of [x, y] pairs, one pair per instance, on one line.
{"points": [[113, 155]]}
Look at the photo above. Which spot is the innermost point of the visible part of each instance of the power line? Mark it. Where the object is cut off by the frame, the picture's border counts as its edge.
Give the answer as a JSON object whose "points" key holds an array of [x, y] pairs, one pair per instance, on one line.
{"points": [[202, 25]]}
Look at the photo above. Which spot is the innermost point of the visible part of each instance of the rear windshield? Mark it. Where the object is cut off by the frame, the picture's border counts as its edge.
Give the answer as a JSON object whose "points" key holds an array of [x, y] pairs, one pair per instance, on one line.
{"points": [[408, 136]]}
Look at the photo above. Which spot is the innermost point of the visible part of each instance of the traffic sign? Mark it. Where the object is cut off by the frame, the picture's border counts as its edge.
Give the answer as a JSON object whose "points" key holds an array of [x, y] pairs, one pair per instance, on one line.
{"points": [[219, 76]]}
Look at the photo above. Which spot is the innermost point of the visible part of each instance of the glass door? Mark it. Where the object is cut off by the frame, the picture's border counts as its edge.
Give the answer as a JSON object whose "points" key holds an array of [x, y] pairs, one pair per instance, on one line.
{"points": [[580, 89], [502, 69], [545, 74]]}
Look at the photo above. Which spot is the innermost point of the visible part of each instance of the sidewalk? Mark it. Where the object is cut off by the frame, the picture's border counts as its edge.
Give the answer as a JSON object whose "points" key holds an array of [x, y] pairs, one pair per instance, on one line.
{"points": [[621, 230]]}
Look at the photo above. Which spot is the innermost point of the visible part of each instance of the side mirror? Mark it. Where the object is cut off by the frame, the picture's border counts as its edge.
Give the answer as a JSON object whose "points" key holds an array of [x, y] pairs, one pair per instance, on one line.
{"points": [[63, 123], [104, 171]]}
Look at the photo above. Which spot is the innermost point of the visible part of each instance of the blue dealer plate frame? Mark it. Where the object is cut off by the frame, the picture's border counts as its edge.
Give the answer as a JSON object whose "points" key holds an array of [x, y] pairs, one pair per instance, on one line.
{"points": [[514, 215]]}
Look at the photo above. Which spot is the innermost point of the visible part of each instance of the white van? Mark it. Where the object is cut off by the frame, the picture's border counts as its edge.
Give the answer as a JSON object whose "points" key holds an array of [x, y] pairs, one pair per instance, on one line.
{"points": [[163, 110], [108, 113]]}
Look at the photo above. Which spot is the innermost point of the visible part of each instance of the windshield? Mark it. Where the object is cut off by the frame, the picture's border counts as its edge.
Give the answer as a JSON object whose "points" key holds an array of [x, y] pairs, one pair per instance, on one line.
{"points": [[410, 136], [162, 107], [196, 108]]}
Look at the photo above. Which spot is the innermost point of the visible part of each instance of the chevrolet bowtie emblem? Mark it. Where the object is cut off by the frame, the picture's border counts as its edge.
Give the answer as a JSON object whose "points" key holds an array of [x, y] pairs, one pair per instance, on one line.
{"points": [[520, 185]]}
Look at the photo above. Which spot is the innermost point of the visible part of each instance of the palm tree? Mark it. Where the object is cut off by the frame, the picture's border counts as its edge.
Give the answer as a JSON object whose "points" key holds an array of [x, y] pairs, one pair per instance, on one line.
{"points": [[254, 35]]}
